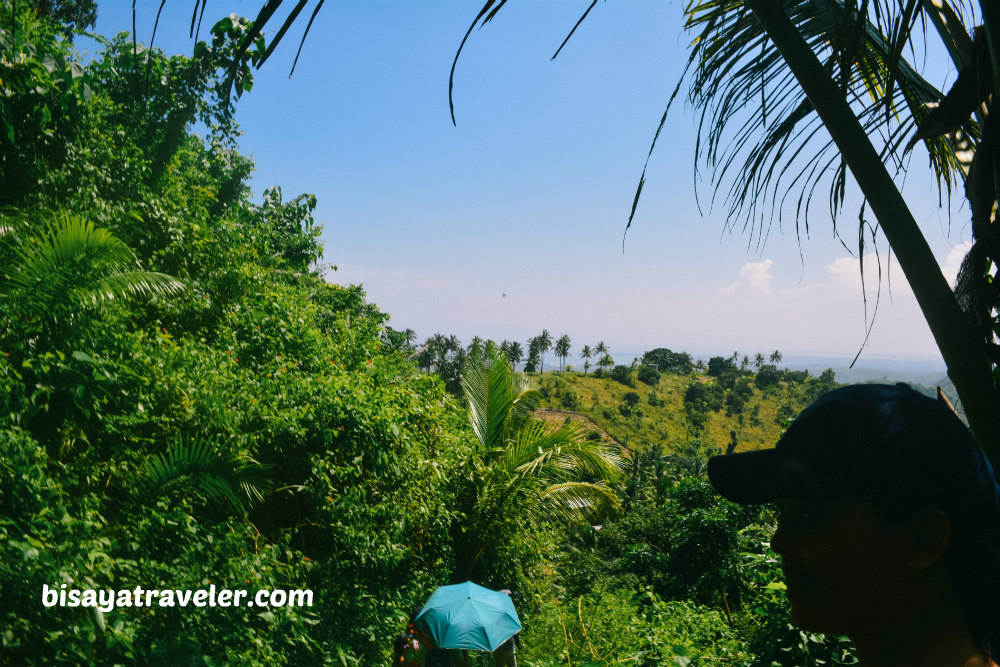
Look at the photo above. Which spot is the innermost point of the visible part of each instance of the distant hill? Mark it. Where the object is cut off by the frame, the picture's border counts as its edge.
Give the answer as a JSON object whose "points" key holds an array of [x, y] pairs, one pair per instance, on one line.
{"points": [[641, 416], [872, 369]]}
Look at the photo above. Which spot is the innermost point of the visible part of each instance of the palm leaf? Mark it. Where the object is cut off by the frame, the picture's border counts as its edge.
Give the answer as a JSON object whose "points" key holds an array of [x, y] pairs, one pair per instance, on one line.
{"points": [[65, 263], [526, 469], [204, 467], [757, 132]]}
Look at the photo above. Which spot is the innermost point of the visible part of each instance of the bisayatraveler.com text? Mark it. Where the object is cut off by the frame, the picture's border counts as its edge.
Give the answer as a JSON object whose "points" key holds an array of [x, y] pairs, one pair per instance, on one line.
{"points": [[108, 599]]}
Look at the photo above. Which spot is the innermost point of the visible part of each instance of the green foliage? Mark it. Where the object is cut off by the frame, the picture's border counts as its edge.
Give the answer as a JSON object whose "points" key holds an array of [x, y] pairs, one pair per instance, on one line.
{"points": [[688, 547], [58, 267], [720, 365], [618, 626], [522, 470], [648, 375], [252, 430], [767, 376], [665, 360], [43, 98], [569, 400], [624, 375], [703, 397], [734, 403], [205, 467]]}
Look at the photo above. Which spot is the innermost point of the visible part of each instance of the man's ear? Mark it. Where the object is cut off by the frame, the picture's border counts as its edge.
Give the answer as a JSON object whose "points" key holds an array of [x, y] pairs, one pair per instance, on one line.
{"points": [[930, 533]]}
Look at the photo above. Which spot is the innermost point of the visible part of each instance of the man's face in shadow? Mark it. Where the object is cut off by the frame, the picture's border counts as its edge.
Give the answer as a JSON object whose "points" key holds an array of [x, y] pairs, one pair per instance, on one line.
{"points": [[843, 566]]}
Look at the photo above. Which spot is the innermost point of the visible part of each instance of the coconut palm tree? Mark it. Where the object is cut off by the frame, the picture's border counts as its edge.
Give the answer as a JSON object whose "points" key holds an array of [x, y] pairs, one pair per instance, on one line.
{"points": [[424, 356], [776, 357], [841, 65], [543, 343], [562, 350], [523, 471], [758, 360], [513, 351], [409, 336], [605, 362], [586, 353], [533, 361]]}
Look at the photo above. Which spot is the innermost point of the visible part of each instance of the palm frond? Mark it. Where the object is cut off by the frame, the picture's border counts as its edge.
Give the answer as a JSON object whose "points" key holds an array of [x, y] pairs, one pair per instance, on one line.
{"points": [[66, 262], [757, 128], [579, 502], [202, 466], [488, 384], [139, 284], [526, 469]]}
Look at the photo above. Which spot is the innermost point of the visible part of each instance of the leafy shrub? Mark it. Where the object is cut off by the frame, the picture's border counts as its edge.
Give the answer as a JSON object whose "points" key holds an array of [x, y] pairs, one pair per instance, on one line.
{"points": [[720, 365], [796, 377], [734, 403], [703, 397], [648, 375], [616, 626], [655, 400], [570, 400], [665, 360], [624, 375], [743, 388], [767, 376]]}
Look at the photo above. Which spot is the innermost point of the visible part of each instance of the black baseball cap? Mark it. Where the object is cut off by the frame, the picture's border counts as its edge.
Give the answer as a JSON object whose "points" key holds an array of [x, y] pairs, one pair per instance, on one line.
{"points": [[868, 441]]}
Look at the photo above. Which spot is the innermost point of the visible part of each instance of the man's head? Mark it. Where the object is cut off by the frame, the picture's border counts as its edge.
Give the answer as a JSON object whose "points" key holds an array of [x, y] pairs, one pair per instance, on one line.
{"points": [[880, 490], [883, 443]]}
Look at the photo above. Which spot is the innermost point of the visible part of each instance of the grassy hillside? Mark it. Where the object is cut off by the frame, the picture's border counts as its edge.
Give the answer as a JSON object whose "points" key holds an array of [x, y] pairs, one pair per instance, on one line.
{"points": [[661, 416]]}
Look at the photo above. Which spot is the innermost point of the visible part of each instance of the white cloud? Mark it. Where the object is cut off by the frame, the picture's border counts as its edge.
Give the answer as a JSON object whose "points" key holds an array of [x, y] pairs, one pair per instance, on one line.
{"points": [[954, 261], [845, 272], [755, 276]]}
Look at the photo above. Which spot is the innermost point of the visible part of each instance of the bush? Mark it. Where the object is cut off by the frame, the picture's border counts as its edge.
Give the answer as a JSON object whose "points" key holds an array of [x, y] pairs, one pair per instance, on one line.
{"points": [[570, 400], [727, 380], [767, 376], [622, 626], [743, 387], [703, 397], [648, 375], [796, 377], [624, 375], [734, 404], [665, 360], [719, 365]]}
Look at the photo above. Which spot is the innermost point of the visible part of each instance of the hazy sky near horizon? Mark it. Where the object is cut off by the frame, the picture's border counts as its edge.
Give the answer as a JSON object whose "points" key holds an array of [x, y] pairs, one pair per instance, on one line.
{"points": [[513, 220]]}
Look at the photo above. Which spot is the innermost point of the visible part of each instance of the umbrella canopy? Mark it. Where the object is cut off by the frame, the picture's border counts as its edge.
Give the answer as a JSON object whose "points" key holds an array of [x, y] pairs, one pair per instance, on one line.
{"points": [[469, 616]]}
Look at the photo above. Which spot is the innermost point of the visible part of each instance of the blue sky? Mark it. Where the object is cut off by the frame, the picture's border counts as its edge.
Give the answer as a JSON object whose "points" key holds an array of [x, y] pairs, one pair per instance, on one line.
{"points": [[512, 221]]}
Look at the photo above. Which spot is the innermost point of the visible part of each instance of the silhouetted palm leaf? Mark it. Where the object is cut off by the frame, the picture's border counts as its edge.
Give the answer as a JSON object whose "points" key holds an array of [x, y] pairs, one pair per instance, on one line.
{"points": [[758, 132]]}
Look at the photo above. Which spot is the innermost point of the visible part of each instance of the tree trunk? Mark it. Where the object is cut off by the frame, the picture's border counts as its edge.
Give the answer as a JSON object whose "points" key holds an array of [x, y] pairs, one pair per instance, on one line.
{"points": [[962, 350]]}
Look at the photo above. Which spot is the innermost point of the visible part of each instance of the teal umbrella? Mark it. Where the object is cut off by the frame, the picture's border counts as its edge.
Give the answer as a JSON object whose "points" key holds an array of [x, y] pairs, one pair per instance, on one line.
{"points": [[469, 616]]}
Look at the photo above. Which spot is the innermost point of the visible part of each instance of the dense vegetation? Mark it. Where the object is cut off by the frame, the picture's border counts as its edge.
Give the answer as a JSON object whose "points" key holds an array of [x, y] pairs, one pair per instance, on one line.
{"points": [[186, 400]]}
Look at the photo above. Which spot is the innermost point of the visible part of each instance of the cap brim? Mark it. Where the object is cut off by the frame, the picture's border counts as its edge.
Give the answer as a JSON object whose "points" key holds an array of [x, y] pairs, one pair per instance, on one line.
{"points": [[762, 476]]}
